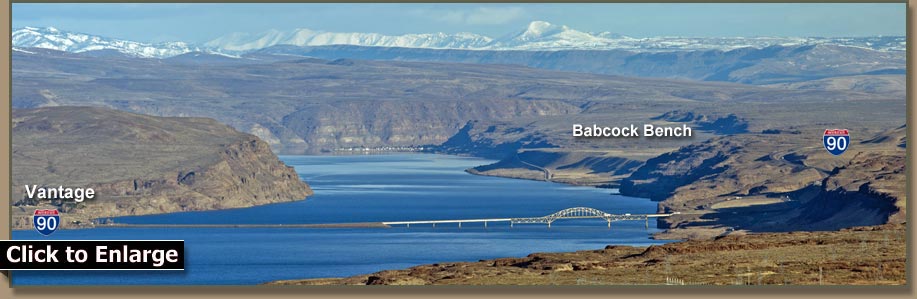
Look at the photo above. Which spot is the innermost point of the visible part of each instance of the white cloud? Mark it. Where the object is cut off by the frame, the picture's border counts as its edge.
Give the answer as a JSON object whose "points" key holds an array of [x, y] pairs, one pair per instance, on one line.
{"points": [[476, 16], [494, 16]]}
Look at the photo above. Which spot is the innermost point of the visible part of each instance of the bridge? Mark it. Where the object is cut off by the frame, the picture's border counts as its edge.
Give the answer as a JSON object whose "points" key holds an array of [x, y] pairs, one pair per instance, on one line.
{"points": [[569, 213]]}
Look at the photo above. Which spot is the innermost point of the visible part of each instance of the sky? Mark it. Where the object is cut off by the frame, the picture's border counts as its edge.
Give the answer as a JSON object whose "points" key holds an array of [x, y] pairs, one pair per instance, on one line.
{"points": [[198, 23]]}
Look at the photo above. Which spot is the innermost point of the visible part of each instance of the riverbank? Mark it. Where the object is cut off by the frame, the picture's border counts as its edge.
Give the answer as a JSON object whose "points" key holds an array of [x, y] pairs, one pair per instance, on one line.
{"points": [[579, 167], [737, 183], [857, 256]]}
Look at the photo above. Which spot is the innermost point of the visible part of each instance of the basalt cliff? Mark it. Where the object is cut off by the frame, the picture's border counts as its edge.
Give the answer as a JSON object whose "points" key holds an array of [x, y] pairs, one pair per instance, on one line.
{"points": [[140, 164]]}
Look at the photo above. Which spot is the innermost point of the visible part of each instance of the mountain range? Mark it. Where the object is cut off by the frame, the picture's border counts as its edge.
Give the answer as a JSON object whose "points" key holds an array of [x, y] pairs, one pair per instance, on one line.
{"points": [[538, 35], [768, 65], [55, 39]]}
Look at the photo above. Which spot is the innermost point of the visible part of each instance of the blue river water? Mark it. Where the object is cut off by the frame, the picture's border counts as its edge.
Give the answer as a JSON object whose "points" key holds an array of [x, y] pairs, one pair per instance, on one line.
{"points": [[366, 188]]}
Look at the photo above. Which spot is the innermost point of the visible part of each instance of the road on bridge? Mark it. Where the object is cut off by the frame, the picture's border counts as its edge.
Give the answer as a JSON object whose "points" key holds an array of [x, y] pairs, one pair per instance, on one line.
{"points": [[569, 213]]}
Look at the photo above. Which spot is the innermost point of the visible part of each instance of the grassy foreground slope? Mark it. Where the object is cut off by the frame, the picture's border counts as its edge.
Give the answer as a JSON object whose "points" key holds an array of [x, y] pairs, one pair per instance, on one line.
{"points": [[857, 256]]}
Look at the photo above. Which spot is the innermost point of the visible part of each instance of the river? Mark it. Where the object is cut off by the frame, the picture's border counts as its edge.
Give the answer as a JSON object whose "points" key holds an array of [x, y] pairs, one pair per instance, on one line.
{"points": [[366, 188]]}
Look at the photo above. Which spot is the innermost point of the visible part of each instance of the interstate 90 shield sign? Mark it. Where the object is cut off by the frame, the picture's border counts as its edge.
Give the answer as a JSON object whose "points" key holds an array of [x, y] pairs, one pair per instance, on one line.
{"points": [[46, 221], [836, 141]]}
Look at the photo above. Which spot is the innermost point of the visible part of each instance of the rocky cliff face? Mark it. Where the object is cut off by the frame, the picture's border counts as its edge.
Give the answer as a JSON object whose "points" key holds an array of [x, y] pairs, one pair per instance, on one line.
{"points": [[738, 165], [724, 124], [495, 140], [743, 181], [405, 123], [869, 189], [140, 164]]}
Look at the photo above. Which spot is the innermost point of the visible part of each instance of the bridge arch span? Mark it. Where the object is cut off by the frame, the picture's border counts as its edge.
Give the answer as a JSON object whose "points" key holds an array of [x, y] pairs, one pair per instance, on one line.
{"points": [[578, 212]]}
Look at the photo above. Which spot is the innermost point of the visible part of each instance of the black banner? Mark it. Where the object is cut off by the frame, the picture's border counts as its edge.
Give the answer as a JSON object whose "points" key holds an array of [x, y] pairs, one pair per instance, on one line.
{"points": [[92, 255]]}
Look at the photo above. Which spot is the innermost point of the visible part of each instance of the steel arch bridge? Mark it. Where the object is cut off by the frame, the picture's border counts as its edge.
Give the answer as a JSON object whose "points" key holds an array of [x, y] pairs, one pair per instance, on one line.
{"points": [[580, 213], [569, 213]]}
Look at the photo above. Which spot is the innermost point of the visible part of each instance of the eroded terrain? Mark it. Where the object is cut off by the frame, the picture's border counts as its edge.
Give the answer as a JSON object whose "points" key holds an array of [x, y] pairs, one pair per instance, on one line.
{"points": [[139, 164]]}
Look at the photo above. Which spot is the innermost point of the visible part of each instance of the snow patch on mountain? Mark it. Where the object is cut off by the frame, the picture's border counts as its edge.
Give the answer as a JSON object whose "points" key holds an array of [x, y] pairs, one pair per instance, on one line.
{"points": [[538, 35], [55, 39], [240, 42]]}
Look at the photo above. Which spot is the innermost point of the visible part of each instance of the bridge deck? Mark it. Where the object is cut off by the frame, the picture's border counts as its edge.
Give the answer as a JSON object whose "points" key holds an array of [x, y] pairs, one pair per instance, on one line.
{"points": [[448, 221], [571, 213], [544, 219]]}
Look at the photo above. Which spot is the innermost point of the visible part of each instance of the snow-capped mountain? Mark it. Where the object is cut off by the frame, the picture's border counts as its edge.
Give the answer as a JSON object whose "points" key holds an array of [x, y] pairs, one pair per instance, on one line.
{"points": [[544, 35], [52, 38], [241, 42], [538, 35]]}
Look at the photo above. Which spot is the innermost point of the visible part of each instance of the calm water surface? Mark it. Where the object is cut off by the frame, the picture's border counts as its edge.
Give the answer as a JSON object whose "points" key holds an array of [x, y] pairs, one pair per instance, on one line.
{"points": [[368, 188]]}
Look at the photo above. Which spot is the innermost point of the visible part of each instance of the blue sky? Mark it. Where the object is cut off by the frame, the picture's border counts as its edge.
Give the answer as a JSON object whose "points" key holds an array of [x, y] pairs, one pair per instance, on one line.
{"points": [[203, 22]]}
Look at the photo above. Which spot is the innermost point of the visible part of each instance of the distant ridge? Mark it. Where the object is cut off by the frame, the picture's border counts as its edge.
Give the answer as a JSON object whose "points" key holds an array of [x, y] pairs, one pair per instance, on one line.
{"points": [[537, 35], [55, 39]]}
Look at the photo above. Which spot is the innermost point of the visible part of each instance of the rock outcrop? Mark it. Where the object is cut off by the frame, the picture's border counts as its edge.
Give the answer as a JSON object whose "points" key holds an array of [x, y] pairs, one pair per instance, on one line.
{"points": [[141, 164], [745, 181]]}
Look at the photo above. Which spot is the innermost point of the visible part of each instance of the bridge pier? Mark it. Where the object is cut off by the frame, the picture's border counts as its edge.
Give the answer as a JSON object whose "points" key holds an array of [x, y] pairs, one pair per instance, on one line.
{"points": [[609, 223], [485, 224], [460, 225], [409, 225], [647, 224]]}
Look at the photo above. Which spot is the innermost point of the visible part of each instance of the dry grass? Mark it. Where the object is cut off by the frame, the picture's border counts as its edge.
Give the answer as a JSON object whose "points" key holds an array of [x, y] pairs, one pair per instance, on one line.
{"points": [[861, 256]]}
